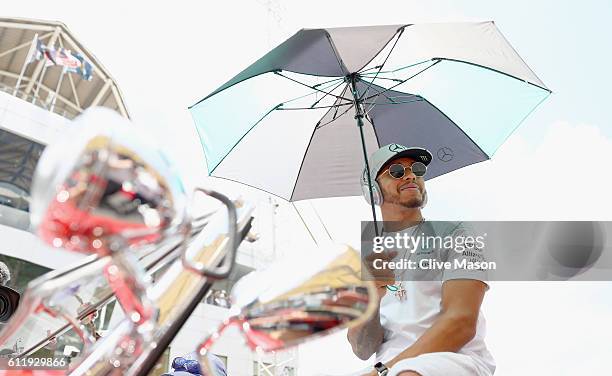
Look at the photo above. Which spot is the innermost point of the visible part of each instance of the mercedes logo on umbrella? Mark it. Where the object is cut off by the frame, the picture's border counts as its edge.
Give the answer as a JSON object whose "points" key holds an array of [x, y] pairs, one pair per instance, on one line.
{"points": [[445, 154]]}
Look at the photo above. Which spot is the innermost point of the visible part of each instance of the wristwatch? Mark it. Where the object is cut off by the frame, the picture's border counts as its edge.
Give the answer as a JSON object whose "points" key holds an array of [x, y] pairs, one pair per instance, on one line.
{"points": [[381, 369]]}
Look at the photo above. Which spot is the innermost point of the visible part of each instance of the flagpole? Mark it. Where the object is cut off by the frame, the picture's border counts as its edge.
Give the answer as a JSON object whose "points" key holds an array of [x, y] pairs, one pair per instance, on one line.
{"points": [[25, 63], [40, 78], [59, 83]]}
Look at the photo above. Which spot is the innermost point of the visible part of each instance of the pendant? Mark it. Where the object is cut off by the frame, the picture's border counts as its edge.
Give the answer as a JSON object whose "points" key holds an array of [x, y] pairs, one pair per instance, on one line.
{"points": [[400, 293]]}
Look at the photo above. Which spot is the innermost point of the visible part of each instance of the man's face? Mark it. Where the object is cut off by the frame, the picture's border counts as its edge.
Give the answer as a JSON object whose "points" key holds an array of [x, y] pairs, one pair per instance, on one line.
{"points": [[407, 191]]}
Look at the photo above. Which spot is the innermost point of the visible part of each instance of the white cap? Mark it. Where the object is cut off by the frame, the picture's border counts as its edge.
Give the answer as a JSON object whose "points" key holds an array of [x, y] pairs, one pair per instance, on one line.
{"points": [[383, 155]]}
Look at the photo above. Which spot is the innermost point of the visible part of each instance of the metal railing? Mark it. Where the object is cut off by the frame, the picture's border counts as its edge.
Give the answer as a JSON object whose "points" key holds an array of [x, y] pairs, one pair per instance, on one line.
{"points": [[154, 259], [37, 101]]}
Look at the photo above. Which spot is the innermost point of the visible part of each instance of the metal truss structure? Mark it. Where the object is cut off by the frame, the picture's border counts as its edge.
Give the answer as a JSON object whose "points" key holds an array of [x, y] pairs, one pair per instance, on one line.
{"points": [[44, 85]]}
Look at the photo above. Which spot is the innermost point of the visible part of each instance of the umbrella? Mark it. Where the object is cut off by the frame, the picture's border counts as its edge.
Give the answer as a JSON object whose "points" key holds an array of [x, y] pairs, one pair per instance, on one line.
{"points": [[300, 121]]}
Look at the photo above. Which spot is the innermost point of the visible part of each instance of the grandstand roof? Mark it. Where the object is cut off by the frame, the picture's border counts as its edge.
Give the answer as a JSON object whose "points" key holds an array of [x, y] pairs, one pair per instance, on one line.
{"points": [[39, 84]]}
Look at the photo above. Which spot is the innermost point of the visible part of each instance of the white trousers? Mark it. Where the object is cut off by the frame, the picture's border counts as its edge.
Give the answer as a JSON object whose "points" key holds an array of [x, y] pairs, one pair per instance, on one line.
{"points": [[441, 364]]}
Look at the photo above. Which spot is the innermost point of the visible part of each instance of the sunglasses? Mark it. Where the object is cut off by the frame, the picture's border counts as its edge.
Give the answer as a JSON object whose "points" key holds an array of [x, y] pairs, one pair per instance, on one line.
{"points": [[398, 170]]}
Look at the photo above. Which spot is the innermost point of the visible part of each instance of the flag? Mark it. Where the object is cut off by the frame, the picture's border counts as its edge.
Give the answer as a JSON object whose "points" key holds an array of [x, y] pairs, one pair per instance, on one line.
{"points": [[44, 52], [83, 68], [65, 58], [72, 61], [39, 52]]}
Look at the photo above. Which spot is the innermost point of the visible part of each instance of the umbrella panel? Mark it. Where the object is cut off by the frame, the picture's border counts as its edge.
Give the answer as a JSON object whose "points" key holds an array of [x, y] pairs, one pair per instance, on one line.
{"points": [[487, 105], [270, 156], [225, 119], [477, 43]]}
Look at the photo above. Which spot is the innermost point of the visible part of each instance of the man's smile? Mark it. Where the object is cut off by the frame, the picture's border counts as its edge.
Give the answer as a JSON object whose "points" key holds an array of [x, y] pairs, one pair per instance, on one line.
{"points": [[408, 186]]}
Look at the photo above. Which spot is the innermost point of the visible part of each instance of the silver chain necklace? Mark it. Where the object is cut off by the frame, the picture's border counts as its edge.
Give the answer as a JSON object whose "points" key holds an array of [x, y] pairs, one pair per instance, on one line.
{"points": [[398, 287]]}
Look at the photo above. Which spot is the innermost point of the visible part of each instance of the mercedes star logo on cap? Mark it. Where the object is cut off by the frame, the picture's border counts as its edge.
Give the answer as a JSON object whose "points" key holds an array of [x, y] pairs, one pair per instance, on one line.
{"points": [[396, 148]]}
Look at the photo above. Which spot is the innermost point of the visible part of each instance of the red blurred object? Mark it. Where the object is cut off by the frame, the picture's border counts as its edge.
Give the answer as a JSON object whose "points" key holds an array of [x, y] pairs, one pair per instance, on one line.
{"points": [[256, 338], [31, 372], [123, 286], [69, 227]]}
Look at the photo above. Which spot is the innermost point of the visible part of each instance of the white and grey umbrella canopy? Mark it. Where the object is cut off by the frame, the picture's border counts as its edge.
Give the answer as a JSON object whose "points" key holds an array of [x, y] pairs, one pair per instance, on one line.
{"points": [[286, 124]]}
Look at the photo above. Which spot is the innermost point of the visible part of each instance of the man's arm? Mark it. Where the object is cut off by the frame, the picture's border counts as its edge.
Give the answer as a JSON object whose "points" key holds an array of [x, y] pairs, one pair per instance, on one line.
{"points": [[366, 338], [456, 325]]}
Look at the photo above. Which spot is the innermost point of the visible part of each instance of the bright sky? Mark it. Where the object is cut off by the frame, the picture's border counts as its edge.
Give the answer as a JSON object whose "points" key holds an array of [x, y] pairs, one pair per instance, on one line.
{"points": [[554, 167]]}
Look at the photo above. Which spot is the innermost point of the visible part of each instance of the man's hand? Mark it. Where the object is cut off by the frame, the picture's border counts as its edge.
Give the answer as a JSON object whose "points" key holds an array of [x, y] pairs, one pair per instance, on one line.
{"points": [[382, 277]]}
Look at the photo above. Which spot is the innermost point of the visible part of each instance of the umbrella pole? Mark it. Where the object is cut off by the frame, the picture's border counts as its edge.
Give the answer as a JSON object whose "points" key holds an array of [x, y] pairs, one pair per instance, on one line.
{"points": [[359, 117]]}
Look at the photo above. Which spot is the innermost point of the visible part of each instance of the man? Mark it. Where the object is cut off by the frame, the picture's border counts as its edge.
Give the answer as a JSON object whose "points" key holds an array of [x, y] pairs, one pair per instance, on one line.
{"points": [[429, 326]]}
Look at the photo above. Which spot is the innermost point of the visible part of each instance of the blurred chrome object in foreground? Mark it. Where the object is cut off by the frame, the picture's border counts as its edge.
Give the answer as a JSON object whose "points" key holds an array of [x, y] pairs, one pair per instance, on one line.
{"points": [[297, 299], [108, 191], [105, 187]]}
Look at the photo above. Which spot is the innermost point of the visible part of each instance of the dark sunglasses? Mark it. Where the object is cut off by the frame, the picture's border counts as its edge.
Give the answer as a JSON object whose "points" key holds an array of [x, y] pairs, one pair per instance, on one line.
{"points": [[398, 170]]}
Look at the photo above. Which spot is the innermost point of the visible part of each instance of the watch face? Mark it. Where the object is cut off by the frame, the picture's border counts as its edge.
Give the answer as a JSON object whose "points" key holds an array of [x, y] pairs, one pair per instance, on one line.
{"points": [[381, 369]]}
